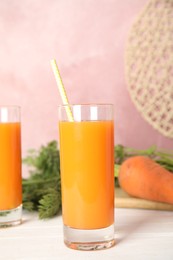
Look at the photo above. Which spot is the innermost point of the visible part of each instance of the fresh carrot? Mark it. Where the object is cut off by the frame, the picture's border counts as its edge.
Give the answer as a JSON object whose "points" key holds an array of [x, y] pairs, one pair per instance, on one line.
{"points": [[142, 177]]}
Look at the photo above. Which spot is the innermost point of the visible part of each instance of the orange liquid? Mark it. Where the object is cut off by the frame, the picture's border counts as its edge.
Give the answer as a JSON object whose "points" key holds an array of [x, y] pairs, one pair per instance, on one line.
{"points": [[10, 166], [87, 178]]}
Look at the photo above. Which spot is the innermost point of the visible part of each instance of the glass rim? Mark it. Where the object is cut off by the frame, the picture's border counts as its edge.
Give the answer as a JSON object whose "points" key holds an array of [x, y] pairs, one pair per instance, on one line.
{"points": [[86, 104]]}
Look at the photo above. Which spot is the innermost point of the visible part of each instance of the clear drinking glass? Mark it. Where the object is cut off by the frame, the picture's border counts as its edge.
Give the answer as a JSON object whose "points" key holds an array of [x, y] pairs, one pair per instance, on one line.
{"points": [[10, 166], [87, 175]]}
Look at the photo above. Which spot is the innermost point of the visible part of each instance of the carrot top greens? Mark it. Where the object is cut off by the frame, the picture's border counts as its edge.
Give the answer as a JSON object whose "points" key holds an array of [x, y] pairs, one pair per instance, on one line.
{"points": [[163, 157]]}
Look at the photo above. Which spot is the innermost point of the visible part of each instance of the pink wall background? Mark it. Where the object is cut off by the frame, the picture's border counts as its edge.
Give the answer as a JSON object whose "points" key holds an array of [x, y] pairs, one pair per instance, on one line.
{"points": [[88, 40]]}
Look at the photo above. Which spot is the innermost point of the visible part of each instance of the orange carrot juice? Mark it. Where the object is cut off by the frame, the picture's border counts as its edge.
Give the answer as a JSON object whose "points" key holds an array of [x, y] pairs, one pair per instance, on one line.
{"points": [[10, 166], [87, 166]]}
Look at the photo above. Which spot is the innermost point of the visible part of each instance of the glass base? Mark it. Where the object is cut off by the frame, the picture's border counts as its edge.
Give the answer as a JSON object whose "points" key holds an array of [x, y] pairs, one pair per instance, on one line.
{"points": [[95, 239], [11, 217]]}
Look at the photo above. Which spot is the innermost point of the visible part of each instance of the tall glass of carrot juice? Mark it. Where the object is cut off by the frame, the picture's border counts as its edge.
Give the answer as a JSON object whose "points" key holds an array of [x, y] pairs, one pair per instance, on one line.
{"points": [[87, 175], [10, 166]]}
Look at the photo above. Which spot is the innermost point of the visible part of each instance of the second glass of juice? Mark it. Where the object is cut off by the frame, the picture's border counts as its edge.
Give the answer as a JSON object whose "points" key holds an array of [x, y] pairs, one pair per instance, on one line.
{"points": [[87, 175], [10, 166]]}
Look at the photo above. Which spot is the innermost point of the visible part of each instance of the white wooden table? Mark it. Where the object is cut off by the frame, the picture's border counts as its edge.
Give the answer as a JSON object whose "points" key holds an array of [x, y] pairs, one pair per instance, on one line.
{"points": [[140, 234]]}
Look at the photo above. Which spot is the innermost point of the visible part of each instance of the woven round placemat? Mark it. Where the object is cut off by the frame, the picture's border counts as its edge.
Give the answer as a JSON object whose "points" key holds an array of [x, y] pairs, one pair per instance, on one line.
{"points": [[149, 64]]}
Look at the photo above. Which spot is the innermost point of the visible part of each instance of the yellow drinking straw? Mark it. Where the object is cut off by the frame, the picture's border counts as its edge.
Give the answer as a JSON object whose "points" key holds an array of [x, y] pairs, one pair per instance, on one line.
{"points": [[62, 90]]}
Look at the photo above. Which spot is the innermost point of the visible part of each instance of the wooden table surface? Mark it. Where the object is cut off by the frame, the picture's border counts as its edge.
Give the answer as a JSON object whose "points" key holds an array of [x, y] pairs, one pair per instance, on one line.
{"points": [[140, 234]]}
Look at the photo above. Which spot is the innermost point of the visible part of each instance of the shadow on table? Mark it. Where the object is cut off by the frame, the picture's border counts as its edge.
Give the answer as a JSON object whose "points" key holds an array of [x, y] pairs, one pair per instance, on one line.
{"points": [[133, 225]]}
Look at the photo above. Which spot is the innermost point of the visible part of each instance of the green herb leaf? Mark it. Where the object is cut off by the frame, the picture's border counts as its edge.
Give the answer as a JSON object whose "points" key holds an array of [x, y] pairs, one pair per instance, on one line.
{"points": [[49, 205], [42, 190]]}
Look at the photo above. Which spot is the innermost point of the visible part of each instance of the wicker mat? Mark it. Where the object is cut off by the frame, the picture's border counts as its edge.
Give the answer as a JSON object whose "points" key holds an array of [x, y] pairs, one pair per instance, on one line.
{"points": [[149, 65]]}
